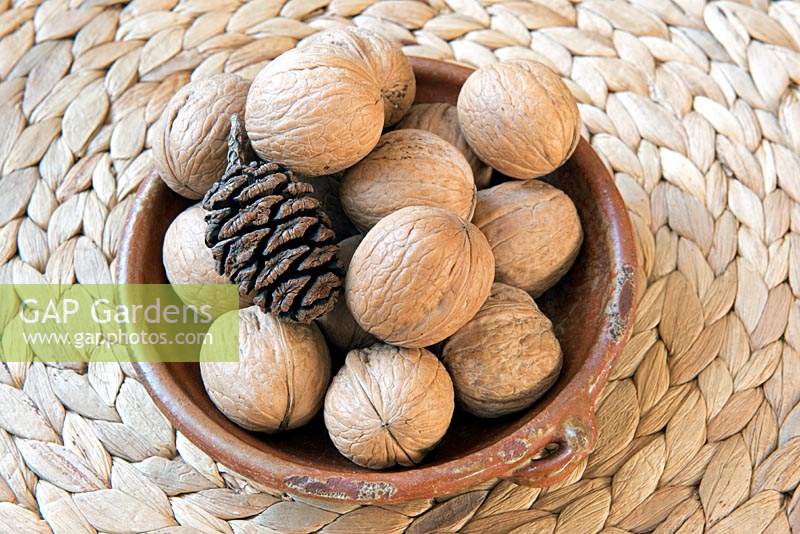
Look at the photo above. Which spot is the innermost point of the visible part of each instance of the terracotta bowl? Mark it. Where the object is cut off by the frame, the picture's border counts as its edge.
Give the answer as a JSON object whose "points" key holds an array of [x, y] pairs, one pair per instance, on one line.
{"points": [[592, 309]]}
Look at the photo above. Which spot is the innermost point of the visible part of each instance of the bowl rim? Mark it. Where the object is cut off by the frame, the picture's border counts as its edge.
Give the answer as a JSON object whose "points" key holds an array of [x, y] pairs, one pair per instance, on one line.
{"points": [[511, 452]]}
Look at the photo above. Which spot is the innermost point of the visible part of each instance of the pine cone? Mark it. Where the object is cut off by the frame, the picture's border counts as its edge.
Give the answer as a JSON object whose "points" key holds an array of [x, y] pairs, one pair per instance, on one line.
{"points": [[269, 236]]}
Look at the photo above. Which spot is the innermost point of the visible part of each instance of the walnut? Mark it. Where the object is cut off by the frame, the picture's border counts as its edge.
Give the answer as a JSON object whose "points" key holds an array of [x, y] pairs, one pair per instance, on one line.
{"points": [[314, 111], [280, 379], [388, 63], [534, 231], [519, 117], [339, 326], [442, 119], [407, 168], [188, 261], [418, 276], [189, 144], [388, 406], [506, 357]]}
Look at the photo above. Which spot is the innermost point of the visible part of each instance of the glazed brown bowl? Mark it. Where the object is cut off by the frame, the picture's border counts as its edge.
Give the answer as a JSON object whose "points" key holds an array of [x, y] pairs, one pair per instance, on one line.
{"points": [[592, 310]]}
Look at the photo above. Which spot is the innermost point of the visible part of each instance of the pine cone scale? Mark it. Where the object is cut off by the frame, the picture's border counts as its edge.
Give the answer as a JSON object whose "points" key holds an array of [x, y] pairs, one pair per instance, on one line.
{"points": [[311, 313], [324, 235], [294, 229], [277, 266], [258, 190], [250, 216], [319, 257], [285, 294], [321, 289], [296, 206], [243, 251], [222, 191]]}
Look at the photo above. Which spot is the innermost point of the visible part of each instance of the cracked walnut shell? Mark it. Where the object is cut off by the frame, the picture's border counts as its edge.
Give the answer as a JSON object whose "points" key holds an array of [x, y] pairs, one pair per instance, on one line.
{"points": [[534, 231], [189, 145], [442, 119], [407, 168], [280, 379], [390, 66], [418, 276], [504, 358], [388, 405], [519, 117], [314, 111]]}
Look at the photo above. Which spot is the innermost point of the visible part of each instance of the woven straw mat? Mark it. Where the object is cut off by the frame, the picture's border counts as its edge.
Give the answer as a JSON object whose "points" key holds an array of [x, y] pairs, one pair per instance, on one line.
{"points": [[693, 106]]}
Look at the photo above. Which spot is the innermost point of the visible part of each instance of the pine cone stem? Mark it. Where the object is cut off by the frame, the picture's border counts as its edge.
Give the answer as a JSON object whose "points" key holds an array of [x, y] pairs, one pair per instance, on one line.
{"points": [[238, 144]]}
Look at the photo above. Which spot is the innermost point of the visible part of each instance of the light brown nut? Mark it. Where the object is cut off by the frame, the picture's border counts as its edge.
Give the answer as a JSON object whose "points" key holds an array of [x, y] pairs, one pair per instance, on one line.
{"points": [[519, 117], [280, 379], [339, 326], [187, 260], [388, 406], [506, 357], [534, 231], [315, 112], [442, 119], [407, 168], [418, 276], [190, 141], [390, 66]]}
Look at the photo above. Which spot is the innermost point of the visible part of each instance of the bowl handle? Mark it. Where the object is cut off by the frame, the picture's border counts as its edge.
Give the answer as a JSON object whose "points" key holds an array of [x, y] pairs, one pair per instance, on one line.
{"points": [[575, 440]]}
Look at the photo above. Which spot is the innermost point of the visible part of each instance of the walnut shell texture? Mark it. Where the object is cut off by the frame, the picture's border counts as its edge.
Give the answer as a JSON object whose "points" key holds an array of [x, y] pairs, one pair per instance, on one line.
{"points": [[280, 379], [189, 144], [534, 231], [388, 406], [407, 168], [418, 276], [339, 326], [504, 358], [442, 119], [519, 117], [314, 111], [390, 66], [187, 260]]}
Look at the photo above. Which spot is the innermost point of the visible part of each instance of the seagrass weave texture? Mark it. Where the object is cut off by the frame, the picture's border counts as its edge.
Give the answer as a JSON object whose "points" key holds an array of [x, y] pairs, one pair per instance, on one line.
{"points": [[693, 105]]}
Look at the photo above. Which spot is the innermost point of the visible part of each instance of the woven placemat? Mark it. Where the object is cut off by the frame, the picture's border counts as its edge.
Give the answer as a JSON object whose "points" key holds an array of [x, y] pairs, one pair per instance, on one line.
{"points": [[693, 105]]}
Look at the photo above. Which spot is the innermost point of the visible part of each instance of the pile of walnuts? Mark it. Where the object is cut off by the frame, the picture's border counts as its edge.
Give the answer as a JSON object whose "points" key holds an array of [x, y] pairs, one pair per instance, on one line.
{"points": [[440, 259]]}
